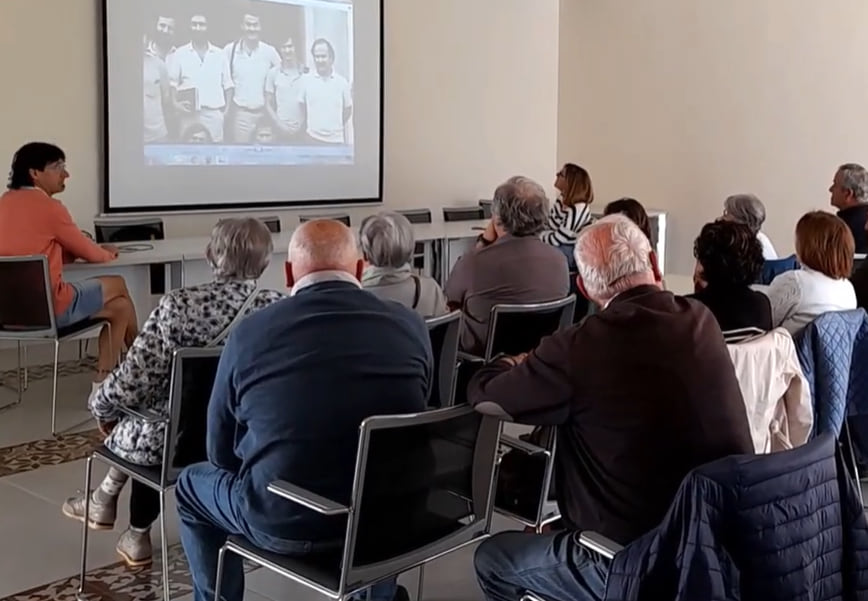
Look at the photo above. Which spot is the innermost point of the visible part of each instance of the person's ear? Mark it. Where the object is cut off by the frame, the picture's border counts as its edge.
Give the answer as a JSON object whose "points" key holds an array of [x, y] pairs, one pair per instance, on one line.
{"points": [[290, 281], [658, 276], [360, 269]]}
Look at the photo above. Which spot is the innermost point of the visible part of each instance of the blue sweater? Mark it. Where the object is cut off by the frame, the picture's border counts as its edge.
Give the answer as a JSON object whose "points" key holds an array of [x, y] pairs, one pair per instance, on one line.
{"points": [[294, 383]]}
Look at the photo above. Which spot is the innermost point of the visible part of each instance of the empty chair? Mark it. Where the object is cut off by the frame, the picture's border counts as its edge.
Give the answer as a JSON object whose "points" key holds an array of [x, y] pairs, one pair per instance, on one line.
{"points": [[272, 223], [27, 314], [444, 331], [128, 230], [486, 208], [463, 213], [343, 218], [193, 372], [422, 488], [772, 268], [417, 215]]}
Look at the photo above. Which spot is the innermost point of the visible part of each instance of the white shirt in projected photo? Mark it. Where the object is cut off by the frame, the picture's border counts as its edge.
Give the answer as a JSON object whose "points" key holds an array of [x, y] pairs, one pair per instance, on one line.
{"points": [[287, 85], [249, 69], [209, 75], [155, 87], [325, 98]]}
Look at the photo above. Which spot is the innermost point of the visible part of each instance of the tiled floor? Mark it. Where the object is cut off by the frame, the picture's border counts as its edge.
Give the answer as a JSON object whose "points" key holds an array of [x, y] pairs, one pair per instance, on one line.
{"points": [[41, 548]]}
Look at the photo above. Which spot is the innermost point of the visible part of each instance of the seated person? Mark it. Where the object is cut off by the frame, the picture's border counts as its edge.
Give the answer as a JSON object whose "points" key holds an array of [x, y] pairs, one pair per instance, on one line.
{"points": [[824, 247], [849, 192], [729, 259], [32, 222], [634, 210], [571, 210], [238, 252], [642, 393], [387, 247], [749, 210], [294, 383], [510, 263]]}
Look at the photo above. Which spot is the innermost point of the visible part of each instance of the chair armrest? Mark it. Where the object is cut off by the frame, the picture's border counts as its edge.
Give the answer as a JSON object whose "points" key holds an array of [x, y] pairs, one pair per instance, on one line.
{"points": [[146, 415], [529, 596], [462, 356], [306, 498], [599, 544], [520, 445]]}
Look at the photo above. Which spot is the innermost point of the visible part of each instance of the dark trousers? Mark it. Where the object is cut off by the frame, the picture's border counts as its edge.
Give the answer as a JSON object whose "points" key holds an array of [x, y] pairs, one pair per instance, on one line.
{"points": [[144, 505]]}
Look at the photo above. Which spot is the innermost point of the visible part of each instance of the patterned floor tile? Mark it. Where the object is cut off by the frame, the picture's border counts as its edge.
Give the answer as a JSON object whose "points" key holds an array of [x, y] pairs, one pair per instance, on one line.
{"points": [[53, 451], [9, 377]]}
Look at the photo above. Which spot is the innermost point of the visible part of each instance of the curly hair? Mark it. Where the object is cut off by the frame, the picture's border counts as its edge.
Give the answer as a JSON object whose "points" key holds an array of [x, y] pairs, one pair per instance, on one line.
{"points": [[729, 253]]}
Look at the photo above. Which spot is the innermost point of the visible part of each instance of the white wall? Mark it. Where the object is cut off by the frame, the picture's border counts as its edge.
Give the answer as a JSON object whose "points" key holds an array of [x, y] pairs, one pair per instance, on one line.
{"points": [[470, 97], [682, 102]]}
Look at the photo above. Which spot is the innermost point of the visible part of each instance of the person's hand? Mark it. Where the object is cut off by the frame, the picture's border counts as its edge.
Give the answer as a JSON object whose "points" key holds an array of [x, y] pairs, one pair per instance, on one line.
{"points": [[515, 359], [185, 106], [112, 249], [105, 428], [490, 233]]}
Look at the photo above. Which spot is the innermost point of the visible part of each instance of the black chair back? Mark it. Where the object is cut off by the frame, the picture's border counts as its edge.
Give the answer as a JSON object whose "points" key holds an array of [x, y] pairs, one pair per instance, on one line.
{"points": [[486, 208], [344, 218], [444, 332], [463, 214], [26, 303], [272, 223], [113, 231], [424, 484], [193, 372], [417, 215], [514, 329]]}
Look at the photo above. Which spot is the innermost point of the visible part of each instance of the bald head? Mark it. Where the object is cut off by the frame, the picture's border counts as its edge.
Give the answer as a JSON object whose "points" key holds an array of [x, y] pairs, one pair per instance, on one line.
{"points": [[322, 245], [613, 256]]}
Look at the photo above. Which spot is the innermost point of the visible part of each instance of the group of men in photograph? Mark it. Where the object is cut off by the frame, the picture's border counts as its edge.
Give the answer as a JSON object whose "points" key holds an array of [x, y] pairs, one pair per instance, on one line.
{"points": [[247, 92]]}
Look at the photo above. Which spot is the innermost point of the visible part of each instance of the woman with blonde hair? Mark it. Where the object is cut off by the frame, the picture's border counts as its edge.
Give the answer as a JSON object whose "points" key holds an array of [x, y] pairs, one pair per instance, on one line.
{"points": [[571, 211]]}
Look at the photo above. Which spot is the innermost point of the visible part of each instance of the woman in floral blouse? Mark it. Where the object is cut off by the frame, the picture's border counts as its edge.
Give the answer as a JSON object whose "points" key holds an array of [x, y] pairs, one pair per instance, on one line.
{"points": [[198, 316]]}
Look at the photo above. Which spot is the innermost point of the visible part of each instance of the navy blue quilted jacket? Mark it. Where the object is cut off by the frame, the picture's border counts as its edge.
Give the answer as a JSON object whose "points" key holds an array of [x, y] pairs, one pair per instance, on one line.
{"points": [[833, 351], [776, 527]]}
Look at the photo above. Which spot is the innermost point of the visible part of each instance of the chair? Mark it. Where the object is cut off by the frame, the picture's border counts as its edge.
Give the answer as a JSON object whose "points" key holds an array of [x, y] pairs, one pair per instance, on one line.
{"points": [[486, 208], [272, 223], [858, 260], [463, 213], [343, 218], [193, 372], [518, 328], [27, 315], [422, 488], [444, 332], [418, 216], [772, 268], [128, 230]]}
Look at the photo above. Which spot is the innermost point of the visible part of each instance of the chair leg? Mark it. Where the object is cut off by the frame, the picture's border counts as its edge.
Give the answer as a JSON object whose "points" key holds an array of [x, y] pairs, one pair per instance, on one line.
{"points": [[19, 390], [421, 582], [85, 529], [54, 390], [219, 577], [24, 364], [853, 460], [164, 543]]}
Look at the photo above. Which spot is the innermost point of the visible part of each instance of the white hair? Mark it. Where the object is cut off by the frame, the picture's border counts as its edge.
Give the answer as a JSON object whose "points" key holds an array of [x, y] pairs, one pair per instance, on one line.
{"points": [[239, 248], [854, 177], [613, 255], [387, 239]]}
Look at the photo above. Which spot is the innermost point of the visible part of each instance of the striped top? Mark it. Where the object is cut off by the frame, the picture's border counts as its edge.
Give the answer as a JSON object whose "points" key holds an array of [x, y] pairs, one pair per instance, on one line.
{"points": [[565, 223]]}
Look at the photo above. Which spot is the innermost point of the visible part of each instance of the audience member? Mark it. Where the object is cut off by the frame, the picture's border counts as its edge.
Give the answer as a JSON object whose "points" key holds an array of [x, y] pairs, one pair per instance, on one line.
{"points": [[824, 247], [238, 252], [33, 222], [294, 383], [749, 210], [387, 247], [510, 264], [571, 210], [634, 210], [729, 259], [849, 192], [625, 443]]}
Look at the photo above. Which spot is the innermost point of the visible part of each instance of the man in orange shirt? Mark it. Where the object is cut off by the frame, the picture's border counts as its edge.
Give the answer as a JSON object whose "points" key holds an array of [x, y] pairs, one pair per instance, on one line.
{"points": [[34, 223]]}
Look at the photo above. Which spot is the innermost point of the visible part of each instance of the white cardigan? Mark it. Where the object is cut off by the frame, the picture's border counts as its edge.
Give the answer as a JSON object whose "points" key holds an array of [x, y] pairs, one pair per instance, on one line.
{"points": [[798, 297]]}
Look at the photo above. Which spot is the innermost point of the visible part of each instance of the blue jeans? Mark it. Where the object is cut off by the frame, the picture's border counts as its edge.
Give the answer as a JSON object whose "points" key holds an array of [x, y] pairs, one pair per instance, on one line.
{"points": [[554, 566], [568, 251], [209, 506]]}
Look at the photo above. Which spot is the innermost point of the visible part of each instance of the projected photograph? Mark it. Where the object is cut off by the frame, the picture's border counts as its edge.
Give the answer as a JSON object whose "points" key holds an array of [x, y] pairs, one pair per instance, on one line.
{"points": [[252, 82]]}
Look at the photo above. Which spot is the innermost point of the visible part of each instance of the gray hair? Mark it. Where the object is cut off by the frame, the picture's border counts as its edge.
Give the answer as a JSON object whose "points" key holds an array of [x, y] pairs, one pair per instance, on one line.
{"points": [[746, 209], [239, 249], [611, 255], [521, 206], [854, 177], [387, 239]]}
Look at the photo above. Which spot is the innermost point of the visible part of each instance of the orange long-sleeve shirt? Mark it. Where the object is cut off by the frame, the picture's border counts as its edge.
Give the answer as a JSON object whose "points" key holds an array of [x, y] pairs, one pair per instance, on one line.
{"points": [[33, 223]]}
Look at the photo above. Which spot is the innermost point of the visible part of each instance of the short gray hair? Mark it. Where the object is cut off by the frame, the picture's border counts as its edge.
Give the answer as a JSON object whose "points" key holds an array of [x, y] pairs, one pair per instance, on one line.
{"points": [[387, 239], [746, 209], [610, 254], [239, 249], [854, 177], [521, 206]]}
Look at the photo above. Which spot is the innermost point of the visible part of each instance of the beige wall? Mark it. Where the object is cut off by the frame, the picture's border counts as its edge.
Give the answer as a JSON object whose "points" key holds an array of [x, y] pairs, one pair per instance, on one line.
{"points": [[682, 102], [470, 97]]}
